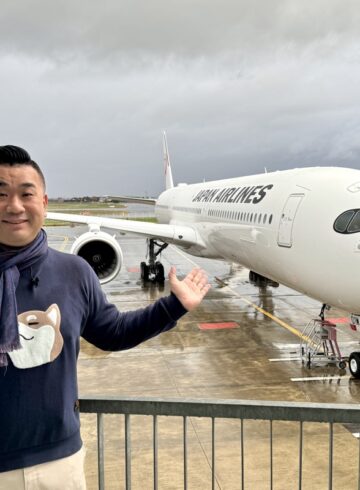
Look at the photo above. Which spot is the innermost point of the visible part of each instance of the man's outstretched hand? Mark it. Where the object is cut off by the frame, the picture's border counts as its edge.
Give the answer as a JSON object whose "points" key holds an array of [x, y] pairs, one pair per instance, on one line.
{"points": [[191, 290]]}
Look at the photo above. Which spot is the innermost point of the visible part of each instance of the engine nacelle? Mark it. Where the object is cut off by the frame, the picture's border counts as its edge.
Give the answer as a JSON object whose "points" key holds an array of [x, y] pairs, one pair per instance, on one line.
{"points": [[102, 252]]}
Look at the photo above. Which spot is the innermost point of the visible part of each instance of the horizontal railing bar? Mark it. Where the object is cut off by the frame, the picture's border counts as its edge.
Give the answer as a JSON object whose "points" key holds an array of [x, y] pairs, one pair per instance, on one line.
{"points": [[242, 409]]}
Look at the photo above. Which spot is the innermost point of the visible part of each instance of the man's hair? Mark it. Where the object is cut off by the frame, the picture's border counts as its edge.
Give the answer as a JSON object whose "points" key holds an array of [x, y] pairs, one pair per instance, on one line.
{"points": [[14, 155]]}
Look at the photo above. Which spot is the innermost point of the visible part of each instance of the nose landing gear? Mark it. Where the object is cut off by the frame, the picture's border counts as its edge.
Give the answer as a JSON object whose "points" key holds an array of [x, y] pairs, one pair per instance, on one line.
{"points": [[354, 364], [354, 358]]}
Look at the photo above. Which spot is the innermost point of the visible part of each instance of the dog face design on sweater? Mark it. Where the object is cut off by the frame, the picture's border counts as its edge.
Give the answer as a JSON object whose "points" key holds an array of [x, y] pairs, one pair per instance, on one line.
{"points": [[40, 338]]}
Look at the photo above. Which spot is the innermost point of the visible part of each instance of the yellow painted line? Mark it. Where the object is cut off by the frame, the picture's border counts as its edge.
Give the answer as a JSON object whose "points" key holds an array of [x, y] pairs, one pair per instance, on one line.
{"points": [[64, 243], [66, 239], [275, 319]]}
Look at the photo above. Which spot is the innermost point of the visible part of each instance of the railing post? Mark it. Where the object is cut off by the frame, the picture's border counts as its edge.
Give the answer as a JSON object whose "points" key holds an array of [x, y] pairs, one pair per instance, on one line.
{"points": [[127, 452], [185, 452], [359, 465], [213, 453], [300, 454], [155, 451], [271, 455], [242, 456], [100, 444], [331, 447]]}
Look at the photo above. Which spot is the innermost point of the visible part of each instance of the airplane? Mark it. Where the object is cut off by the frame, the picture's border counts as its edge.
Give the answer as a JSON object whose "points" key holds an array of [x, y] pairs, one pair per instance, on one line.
{"points": [[298, 227]]}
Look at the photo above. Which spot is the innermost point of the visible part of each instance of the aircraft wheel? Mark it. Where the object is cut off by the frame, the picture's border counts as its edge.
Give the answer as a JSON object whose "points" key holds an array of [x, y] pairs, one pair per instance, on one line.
{"points": [[160, 275], [144, 271], [354, 364]]}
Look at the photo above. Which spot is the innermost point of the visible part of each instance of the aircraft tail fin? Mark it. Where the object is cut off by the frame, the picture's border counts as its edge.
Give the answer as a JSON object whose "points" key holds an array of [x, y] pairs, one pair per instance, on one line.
{"points": [[169, 183]]}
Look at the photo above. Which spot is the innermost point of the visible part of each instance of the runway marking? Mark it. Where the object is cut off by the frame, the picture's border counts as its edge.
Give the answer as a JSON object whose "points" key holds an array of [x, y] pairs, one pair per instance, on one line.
{"points": [[338, 320], [320, 378], [288, 347], [185, 257], [264, 312], [133, 269], [219, 326], [286, 359]]}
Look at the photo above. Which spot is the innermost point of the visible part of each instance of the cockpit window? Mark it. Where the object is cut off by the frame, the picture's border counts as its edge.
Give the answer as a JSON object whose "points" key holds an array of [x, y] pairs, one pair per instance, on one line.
{"points": [[354, 225], [348, 222]]}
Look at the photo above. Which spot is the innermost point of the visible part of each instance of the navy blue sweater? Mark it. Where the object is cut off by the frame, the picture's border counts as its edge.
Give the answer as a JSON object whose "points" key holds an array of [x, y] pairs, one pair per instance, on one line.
{"points": [[39, 418]]}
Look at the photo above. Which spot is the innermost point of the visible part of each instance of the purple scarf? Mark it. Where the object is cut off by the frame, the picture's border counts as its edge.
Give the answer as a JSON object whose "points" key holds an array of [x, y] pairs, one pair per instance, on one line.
{"points": [[12, 261]]}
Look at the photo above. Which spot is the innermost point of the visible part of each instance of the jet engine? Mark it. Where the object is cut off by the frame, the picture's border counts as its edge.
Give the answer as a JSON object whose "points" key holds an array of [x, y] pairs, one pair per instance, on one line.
{"points": [[101, 251]]}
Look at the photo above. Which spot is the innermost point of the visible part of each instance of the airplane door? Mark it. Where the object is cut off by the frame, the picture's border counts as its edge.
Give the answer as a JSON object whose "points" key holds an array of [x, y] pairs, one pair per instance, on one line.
{"points": [[287, 220]]}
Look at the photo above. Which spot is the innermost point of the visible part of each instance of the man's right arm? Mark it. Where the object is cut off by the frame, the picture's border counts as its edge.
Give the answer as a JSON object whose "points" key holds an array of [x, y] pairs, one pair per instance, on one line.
{"points": [[109, 329]]}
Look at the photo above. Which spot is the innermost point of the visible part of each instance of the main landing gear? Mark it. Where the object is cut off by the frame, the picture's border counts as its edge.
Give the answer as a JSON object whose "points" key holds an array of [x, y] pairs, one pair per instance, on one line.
{"points": [[261, 281], [154, 270]]}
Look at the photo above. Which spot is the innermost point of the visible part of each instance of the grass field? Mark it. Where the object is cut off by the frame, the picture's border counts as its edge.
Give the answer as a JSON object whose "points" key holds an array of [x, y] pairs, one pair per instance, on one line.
{"points": [[76, 206], [109, 210]]}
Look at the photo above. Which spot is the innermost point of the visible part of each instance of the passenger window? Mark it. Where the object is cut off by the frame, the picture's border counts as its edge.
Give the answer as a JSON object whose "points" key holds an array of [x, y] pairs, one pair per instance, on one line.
{"points": [[270, 219], [342, 222], [264, 218]]}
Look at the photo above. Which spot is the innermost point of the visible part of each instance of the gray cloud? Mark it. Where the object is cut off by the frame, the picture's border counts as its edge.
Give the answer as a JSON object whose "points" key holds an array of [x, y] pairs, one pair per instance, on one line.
{"points": [[89, 87], [89, 28]]}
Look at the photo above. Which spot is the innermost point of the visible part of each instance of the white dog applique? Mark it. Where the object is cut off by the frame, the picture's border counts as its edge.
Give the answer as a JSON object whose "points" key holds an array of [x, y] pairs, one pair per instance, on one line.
{"points": [[40, 338]]}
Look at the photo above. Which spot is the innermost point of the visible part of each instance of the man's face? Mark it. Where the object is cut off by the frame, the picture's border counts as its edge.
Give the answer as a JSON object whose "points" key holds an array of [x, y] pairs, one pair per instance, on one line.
{"points": [[23, 205]]}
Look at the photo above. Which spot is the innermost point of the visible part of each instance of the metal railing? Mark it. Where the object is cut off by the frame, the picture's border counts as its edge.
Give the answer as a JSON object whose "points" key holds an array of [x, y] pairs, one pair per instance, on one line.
{"points": [[242, 410]]}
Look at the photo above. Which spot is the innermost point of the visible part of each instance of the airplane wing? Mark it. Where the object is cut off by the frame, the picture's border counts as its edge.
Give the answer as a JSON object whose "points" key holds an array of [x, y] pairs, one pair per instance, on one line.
{"points": [[184, 236]]}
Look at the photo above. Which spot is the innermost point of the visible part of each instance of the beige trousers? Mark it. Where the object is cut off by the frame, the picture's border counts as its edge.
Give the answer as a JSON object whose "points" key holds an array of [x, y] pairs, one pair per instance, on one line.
{"points": [[61, 474]]}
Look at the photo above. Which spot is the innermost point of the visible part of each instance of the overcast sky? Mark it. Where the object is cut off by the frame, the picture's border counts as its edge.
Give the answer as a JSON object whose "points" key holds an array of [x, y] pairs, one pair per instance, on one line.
{"points": [[87, 87]]}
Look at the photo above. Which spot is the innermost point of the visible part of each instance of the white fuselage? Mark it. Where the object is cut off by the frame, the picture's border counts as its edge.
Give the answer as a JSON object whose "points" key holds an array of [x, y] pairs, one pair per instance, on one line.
{"points": [[280, 225]]}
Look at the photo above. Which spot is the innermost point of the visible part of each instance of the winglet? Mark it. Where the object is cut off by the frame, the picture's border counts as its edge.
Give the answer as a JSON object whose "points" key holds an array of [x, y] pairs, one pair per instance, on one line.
{"points": [[167, 168]]}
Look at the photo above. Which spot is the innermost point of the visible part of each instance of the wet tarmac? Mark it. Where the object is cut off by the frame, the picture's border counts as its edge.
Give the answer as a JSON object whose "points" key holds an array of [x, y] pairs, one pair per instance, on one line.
{"points": [[251, 351]]}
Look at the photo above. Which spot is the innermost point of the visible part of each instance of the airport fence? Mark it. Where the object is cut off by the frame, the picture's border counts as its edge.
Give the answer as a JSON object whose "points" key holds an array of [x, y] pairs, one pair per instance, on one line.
{"points": [[329, 416]]}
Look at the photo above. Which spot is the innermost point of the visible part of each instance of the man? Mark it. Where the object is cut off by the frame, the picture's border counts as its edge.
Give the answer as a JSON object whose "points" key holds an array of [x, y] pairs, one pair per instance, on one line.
{"points": [[47, 300]]}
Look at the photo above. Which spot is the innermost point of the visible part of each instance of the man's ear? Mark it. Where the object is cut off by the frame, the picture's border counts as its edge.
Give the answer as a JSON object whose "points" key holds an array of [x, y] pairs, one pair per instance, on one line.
{"points": [[45, 201]]}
